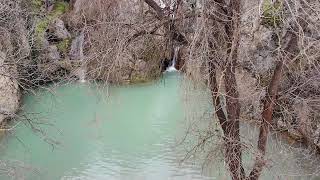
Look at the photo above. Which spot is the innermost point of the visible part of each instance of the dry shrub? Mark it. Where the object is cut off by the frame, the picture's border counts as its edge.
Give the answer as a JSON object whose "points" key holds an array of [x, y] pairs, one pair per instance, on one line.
{"points": [[91, 12], [16, 39], [111, 53]]}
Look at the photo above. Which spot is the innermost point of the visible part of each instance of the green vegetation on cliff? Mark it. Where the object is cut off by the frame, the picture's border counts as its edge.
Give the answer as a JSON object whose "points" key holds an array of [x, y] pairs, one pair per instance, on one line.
{"points": [[272, 14], [64, 46], [59, 8]]}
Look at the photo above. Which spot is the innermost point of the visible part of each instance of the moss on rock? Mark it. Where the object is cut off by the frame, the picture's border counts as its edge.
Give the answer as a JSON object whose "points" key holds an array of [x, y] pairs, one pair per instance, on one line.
{"points": [[40, 30], [37, 3], [36, 6]]}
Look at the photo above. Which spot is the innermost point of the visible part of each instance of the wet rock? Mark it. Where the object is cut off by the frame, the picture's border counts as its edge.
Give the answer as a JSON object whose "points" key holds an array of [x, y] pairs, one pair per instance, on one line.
{"points": [[76, 53], [165, 64]]}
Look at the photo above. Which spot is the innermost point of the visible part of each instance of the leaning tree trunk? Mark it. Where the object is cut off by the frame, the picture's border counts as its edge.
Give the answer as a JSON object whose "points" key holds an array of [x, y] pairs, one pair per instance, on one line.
{"points": [[266, 121], [289, 50], [230, 124]]}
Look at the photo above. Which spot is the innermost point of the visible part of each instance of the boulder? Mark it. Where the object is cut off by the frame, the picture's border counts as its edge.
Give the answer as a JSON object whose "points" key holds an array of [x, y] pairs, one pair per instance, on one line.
{"points": [[58, 29], [49, 60]]}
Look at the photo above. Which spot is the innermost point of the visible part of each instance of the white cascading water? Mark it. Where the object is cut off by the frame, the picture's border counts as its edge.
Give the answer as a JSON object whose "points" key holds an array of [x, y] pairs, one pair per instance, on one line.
{"points": [[83, 69], [82, 75], [173, 64]]}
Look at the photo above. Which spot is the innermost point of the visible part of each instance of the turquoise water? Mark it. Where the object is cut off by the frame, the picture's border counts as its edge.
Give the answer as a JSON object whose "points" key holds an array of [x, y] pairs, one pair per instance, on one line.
{"points": [[86, 131], [124, 132]]}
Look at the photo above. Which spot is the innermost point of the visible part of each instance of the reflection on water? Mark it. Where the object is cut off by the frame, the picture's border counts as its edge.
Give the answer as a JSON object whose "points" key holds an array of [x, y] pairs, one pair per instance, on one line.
{"points": [[129, 132]]}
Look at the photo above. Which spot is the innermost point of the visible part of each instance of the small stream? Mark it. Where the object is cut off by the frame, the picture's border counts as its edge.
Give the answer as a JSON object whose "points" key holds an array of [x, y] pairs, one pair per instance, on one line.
{"points": [[86, 131]]}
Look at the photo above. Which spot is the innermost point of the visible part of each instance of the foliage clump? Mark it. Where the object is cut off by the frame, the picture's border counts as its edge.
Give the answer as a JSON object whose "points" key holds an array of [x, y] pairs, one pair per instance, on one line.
{"points": [[59, 9], [37, 4], [272, 14], [64, 46]]}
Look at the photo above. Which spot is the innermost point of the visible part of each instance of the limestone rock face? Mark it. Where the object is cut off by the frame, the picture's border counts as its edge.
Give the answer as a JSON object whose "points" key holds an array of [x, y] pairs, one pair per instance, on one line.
{"points": [[317, 136], [9, 90], [257, 42], [250, 95], [256, 57], [138, 71], [50, 61], [53, 53]]}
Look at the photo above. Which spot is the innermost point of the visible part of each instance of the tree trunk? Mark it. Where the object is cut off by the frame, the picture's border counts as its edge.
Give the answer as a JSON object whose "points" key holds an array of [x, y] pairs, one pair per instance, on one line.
{"points": [[233, 143], [232, 132], [266, 121], [290, 49], [230, 124]]}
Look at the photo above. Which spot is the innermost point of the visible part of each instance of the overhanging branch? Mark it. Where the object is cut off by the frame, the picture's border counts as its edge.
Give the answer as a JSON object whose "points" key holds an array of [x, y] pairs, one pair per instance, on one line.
{"points": [[155, 7]]}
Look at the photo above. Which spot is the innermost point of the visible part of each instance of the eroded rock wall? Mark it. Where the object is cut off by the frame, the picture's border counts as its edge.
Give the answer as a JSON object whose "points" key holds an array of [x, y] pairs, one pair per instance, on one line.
{"points": [[9, 89]]}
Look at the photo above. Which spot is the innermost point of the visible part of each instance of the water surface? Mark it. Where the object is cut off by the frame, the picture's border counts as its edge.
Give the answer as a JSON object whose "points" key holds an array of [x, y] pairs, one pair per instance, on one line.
{"points": [[96, 132], [85, 131]]}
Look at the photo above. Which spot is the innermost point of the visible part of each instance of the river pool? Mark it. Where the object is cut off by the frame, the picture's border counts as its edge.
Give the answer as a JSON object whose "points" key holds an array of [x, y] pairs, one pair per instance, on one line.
{"points": [[131, 132]]}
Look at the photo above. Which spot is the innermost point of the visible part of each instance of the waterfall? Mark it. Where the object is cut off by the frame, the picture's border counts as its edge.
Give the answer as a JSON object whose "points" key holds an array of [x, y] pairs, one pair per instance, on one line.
{"points": [[82, 74], [76, 53], [173, 62], [83, 69]]}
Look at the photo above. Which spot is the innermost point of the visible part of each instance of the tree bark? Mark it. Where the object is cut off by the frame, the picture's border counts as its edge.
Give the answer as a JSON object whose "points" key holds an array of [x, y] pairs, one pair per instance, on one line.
{"points": [[233, 144], [266, 121], [230, 124]]}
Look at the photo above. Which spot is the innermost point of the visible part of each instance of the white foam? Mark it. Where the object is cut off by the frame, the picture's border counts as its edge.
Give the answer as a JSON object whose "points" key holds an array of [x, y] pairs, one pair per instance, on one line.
{"points": [[171, 69]]}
